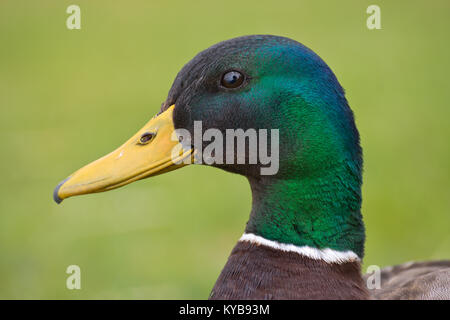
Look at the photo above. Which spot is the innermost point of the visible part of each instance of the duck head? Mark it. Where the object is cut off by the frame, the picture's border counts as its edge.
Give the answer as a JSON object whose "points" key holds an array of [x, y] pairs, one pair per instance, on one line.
{"points": [[310, 192]]}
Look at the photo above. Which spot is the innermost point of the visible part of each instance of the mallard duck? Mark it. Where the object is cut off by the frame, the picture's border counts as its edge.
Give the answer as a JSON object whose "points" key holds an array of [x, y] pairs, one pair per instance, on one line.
{"points": [[305, 235]]}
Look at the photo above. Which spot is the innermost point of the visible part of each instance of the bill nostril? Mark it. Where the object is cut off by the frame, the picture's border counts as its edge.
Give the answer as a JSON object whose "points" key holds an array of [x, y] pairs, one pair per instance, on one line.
{"points": [[146, 137]]}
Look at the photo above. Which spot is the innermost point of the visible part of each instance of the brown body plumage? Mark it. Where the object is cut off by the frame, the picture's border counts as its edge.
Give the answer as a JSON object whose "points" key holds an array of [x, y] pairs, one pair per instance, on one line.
{"points": [[259, 272], [415, 281]]}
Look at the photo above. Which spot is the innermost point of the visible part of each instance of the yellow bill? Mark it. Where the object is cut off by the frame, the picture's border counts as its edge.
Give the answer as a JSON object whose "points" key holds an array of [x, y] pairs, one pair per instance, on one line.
{"points": [[151, 151]]}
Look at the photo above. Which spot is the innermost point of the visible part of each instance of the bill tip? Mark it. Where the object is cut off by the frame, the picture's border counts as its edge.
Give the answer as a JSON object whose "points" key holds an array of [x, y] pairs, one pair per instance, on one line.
{"points": [[56, 197]]}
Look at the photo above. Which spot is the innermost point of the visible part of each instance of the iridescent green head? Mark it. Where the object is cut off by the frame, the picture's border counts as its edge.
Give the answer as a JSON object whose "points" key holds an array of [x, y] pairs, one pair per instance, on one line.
{"points": [[285, 86]]}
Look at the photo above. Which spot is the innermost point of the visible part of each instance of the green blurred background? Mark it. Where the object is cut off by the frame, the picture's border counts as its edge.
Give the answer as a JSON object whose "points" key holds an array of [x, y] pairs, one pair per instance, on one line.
{"points": [[70, 96]]}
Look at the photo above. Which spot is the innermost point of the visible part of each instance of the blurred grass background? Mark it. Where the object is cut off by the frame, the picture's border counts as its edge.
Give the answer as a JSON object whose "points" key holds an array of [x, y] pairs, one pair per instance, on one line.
{"points": [[68, 97]]}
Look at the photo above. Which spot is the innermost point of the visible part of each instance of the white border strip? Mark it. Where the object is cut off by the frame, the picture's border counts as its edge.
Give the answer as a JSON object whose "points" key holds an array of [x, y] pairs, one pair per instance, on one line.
{"points": [[328, 255]]}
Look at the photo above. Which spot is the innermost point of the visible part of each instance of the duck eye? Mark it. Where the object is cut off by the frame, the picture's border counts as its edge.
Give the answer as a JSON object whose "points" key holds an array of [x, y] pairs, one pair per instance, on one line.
{"points": [[146, 137], [232, 79]]}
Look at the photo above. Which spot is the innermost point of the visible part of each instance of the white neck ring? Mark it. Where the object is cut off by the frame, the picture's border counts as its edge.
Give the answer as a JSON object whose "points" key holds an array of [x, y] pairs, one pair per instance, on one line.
{"points": [[328, 255]]}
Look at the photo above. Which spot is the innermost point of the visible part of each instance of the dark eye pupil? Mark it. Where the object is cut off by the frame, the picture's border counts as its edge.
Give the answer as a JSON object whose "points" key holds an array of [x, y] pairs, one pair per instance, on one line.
{"points": [[232, 79]]}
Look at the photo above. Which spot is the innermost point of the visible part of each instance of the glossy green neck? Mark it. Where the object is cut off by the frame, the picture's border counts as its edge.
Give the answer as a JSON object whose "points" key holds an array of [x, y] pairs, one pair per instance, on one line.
{"points": [[320, 212]]}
